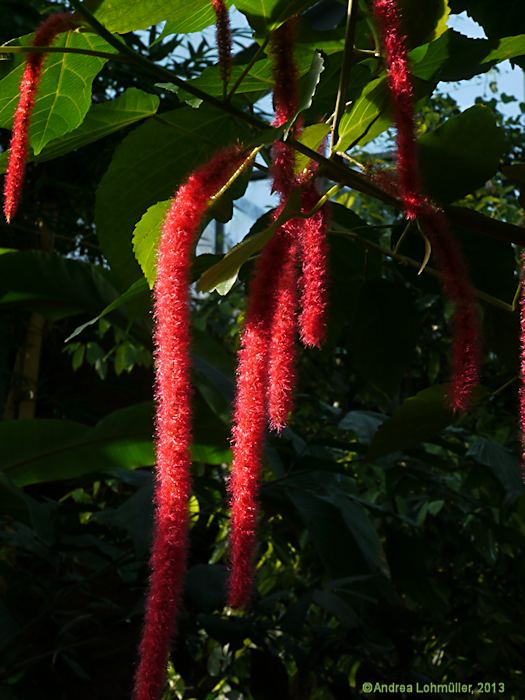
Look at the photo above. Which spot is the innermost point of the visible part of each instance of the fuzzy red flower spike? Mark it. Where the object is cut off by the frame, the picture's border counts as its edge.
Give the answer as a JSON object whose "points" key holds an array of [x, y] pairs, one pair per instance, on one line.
{"points": [[19, 146], [466, 353], [173, 416]]}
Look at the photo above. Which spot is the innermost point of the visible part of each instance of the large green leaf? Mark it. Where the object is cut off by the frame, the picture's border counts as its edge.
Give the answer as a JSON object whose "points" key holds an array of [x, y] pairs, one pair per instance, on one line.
{"points": [[35, 451], [146, 238], [101, 120], [137, 295], [457, 57], [146, 168], [423, 21], [128, 15], [64, 93], [462, 154], [419, 418], [55, 286], [272, 13]]}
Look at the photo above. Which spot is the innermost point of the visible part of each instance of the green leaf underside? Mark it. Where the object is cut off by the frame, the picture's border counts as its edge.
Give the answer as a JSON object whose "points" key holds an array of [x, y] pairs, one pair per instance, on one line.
{"points": [[101, 120], [56, 286], [452, 163], [64, 94], [40, 450], [146, 168], [137, 292], [419, 418], [182, 17]]}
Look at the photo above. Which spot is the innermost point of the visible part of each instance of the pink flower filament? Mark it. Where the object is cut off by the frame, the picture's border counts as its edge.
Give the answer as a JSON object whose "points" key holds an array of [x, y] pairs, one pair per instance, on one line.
{"points": [[19, 146], [173, 416]]}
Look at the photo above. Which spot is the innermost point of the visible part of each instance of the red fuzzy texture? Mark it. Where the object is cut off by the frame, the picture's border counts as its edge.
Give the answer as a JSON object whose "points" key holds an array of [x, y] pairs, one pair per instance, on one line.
{"points": [[281, 352], [466, 355], [249, 421], [395, 44], [173, 416], [466, 351], [313, 247], [224, 39], [281, 370], [522, 365], [19, 146]]}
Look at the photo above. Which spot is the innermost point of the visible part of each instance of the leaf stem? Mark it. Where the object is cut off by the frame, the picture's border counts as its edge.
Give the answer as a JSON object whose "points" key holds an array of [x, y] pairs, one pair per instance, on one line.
{"points": [[405, 260], [348, 59], [248, 67], [59, 49]]}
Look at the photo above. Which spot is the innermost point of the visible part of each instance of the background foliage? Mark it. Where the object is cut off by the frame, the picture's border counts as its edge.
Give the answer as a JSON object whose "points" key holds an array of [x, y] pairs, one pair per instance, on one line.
{"points": [[392, 531]]}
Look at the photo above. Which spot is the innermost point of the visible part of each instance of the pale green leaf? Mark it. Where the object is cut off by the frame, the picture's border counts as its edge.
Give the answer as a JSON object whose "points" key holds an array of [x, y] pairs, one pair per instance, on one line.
{"points": [[64, 94], [101, 120]]}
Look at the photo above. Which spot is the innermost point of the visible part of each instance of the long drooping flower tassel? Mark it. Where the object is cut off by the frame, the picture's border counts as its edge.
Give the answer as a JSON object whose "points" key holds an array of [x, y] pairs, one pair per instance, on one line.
{"points": [[224, 39], [282, 351], [18, 149], [465, 347], [249, 422], [522, 366], [314, 274], [173, 416]]}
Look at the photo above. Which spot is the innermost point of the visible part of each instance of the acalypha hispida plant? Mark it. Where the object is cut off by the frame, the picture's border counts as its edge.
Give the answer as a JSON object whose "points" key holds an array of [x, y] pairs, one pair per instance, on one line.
{"points": [[287, 301]]}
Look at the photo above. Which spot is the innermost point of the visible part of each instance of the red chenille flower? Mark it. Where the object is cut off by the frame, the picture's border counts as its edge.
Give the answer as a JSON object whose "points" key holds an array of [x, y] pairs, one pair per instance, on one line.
{"points": [[224, 38], [173, 416], [466, 354], [18, 149]]}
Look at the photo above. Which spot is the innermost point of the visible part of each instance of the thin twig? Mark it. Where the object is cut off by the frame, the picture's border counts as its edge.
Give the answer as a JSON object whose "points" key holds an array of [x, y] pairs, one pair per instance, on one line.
{"points": [[348, 59], [60, 49], [248, 67]]}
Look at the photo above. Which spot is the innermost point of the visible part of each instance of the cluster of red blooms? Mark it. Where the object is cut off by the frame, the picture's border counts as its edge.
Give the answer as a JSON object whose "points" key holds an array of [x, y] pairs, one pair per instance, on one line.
{"points": [[287, 298]]}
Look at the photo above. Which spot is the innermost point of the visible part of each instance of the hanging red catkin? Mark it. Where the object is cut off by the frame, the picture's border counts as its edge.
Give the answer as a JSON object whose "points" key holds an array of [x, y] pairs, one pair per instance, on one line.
{"points": [[395, 44], [224, 39], [522, 366], [314, 275], [173, 416], [18, 149], [281, 352], [465, 347], [249, 422]]}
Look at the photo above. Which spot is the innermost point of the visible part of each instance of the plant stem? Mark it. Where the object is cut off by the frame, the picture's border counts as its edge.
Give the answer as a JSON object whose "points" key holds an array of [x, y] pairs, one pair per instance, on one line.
{"points": [[60, 49], [348, 59], [405, 260], [248, 67]]}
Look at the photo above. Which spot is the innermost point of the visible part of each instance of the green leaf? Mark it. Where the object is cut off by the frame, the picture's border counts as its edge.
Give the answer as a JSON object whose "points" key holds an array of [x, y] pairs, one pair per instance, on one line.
{"points": [[57, 287], [34, 451], [222, 275], [419, 418], [452, 162], [138, 292], [123, 16], [101, 120], [456, 57], [146, 238], [424, 21], [272, 13], [312, 136], [64, 93], [503, 464], [146, 168], [356, 123]]}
